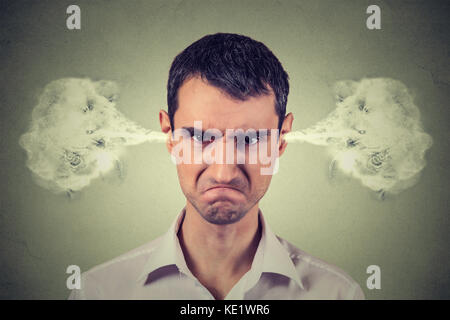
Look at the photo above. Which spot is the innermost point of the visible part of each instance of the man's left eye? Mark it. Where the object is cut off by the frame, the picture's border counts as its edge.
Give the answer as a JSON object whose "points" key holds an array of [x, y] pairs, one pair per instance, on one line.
{"points": [[251, 140]]}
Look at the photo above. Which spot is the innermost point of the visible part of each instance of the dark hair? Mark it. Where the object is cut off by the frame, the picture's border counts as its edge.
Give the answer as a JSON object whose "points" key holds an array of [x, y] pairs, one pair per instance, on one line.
{"points": [[236, 64]]}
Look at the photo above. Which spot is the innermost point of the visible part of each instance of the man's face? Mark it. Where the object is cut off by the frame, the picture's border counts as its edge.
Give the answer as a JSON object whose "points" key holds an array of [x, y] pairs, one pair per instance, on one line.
{"points": [[199, 101]]}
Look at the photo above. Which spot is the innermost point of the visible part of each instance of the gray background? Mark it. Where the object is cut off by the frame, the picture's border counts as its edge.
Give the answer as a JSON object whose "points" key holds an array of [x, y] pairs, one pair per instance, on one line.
{"points": [[133, 43]]}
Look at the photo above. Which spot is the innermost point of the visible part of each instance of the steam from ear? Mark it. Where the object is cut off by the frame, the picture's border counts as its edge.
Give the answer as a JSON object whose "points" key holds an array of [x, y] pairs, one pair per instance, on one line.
{"points": [[77, 134], [375, 134]]}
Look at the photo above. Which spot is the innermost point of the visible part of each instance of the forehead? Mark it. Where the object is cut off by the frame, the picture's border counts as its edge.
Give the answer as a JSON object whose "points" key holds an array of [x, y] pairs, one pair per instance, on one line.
{"points": [[199, 101]]}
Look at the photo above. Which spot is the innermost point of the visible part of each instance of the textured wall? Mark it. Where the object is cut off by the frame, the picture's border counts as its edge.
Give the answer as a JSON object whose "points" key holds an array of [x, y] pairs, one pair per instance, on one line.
{"points": [[133, 43]]}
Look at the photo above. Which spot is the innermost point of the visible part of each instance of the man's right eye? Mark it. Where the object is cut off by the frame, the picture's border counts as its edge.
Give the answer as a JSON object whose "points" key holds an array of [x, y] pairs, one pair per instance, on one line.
{"points": [[197, 138]]}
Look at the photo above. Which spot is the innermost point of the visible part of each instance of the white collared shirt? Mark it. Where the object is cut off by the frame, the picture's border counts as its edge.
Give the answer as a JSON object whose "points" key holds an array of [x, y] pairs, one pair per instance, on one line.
{"points": [[158, 270]]}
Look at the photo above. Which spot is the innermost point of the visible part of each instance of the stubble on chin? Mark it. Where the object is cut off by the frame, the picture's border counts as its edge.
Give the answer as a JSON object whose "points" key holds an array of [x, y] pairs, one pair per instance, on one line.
{"points": [[219, 213]]}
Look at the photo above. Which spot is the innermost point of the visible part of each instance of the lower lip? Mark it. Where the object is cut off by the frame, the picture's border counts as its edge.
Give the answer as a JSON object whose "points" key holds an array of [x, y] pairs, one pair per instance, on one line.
{"points": [[222, 194]]}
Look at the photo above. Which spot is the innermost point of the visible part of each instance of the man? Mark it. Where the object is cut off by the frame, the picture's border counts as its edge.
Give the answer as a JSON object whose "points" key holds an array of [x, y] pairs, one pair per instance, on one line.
{"points": [[220, 245]]}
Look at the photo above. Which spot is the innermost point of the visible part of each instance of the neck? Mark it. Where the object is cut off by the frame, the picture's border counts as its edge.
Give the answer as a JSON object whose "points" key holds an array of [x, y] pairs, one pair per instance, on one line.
{"points": [[215, 251]]}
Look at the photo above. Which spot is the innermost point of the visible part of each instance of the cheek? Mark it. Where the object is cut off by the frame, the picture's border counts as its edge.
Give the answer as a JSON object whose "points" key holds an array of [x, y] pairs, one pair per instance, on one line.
{"points": [[187, 175], [183, 177], [259, 182]]}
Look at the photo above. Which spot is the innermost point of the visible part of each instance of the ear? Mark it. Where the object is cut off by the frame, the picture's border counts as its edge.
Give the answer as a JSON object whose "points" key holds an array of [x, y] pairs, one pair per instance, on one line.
{"points": [[164, 121], [285, 128]]}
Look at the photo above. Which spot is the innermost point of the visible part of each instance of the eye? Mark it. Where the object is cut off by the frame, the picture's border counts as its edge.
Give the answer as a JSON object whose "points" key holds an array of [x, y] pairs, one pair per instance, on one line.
{"points": [[251, 140], [197, 138]]}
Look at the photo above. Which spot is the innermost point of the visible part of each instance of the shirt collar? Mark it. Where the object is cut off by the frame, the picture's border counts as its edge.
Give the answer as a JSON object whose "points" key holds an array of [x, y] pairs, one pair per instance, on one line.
{"points": [[276, 258], [270, 255]]}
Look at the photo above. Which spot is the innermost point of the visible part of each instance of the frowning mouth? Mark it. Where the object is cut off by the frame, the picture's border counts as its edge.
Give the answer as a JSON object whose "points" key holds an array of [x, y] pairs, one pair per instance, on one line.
{"points": [[223, 187], [223, 193]]}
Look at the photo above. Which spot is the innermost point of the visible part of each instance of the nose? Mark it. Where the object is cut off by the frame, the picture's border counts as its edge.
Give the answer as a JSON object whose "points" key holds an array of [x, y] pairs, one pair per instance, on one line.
{"points": [[225, 169], [223, 173]]}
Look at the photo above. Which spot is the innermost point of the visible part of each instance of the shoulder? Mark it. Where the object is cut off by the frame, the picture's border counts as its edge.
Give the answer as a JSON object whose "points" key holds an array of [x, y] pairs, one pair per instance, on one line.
{"points": [[133, 259], [321, 279], [115, 274]]}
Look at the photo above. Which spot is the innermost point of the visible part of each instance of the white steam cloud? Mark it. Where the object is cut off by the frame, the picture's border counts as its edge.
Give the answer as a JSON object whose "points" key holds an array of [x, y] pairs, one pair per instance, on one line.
{"points": [[77, 134], [374, 134]]}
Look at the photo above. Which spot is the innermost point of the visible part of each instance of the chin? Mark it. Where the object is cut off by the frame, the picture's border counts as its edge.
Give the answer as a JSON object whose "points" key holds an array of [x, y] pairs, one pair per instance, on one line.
{"points": [[223, 214]]}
